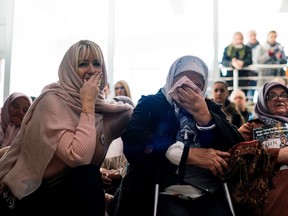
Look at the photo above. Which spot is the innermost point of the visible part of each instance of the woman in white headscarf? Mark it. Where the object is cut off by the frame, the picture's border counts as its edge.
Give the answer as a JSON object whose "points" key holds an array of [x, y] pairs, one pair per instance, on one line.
{"points": [[53, 163], [177, 139]]}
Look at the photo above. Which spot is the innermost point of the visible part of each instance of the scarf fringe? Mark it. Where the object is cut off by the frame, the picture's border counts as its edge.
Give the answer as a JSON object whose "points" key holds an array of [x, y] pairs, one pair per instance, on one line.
{"points": [[10, 198]]}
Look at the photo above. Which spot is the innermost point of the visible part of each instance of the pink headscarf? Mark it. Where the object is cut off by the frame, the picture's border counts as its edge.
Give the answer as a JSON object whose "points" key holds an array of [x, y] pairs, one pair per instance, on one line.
{"points": [[8, 130], [55, 111]]}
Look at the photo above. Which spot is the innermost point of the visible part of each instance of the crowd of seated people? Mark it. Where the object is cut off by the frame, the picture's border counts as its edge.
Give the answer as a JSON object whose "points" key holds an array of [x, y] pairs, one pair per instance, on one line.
{"points": [[172, 145]]}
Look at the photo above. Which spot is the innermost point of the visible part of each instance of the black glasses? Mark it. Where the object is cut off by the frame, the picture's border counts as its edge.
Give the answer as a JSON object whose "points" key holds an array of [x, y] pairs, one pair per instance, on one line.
{"points": [[119, 88], [274, 97], [221, 90]]}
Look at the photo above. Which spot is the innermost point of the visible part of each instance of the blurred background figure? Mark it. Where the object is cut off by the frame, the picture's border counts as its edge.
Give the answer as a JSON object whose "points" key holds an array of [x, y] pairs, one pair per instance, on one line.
{"points": [[220, 95], [253, 43], [122, 88], [237, 55], [12, 114], [114, 166], [238, 97], [271, 52]]}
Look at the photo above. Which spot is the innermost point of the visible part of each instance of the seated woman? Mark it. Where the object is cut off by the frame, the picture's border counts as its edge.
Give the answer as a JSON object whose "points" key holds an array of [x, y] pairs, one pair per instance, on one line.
{"points": [[272, 109], [12, 114], [176, 141]]}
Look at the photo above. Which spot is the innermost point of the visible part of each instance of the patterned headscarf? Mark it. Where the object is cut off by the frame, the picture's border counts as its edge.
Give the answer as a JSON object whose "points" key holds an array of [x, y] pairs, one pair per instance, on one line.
{"points": [[261, 110]]}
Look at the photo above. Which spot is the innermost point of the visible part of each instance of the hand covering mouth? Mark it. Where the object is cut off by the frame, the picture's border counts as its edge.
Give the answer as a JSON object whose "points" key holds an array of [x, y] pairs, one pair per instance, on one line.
{"points": [[87, 76]]}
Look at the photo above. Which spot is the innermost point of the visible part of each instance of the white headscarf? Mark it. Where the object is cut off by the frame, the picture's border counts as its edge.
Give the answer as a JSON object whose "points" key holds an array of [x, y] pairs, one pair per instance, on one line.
{"points": [[189, 63]]}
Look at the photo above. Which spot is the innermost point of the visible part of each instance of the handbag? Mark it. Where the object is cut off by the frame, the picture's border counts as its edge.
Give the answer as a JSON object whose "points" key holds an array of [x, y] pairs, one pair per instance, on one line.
{"points": [[249, 177]]}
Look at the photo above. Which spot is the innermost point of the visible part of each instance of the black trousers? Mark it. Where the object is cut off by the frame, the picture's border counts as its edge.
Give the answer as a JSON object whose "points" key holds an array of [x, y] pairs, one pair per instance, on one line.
{"points": [[79, 191]]}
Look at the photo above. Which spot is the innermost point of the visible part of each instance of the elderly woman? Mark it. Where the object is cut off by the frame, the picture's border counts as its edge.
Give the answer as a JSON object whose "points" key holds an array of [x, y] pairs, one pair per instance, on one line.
{"points": [[177, 139], [272, 109], [12, 114], [53, 164]]}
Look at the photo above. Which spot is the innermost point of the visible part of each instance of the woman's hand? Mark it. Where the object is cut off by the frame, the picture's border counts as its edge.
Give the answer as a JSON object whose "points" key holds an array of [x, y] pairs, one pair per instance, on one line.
{"points": [[214, 160], [89, 93], [194, 103], [110, 175]]}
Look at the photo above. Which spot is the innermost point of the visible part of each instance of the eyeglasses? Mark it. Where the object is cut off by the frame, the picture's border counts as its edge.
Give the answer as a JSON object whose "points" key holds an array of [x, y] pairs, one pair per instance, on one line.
{"points": [[221, 90], [274, 97], [119, 88]]}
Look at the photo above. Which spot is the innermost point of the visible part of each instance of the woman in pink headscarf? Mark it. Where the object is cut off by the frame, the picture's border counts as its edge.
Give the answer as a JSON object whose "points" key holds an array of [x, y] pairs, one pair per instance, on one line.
{"points": [[53, 164], [12, 113]]}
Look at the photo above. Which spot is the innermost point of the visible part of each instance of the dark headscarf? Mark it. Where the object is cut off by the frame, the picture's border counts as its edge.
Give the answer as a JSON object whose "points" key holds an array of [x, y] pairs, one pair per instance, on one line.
{"points": [[261, 110]]}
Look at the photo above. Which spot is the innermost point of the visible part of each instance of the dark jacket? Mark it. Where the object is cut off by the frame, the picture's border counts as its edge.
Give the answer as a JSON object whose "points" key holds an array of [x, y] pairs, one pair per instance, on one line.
{"points": [[151, 130], [244, 54], [233, 114]]}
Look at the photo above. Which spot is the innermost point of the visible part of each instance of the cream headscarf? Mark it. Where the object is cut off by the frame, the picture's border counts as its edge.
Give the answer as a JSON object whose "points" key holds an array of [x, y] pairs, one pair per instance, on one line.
{"points": [[9, 130], [55, 111]]}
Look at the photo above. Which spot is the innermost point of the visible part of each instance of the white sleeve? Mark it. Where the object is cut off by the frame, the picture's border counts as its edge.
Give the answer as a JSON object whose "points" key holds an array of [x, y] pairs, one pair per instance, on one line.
{"points": [[174, 152], [205, 128]]}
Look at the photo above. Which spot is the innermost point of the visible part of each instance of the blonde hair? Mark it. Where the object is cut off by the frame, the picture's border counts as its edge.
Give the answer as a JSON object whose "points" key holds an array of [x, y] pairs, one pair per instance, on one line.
{"points": [[85, 47], [126, 87]]}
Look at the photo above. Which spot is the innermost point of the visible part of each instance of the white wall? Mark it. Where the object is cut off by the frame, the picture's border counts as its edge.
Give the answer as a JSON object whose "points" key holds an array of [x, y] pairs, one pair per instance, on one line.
{"points": [[6, 33]]}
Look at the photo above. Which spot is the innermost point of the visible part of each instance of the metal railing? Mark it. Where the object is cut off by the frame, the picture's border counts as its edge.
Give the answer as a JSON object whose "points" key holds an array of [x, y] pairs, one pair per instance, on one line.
{"points": [[258, 77]]}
